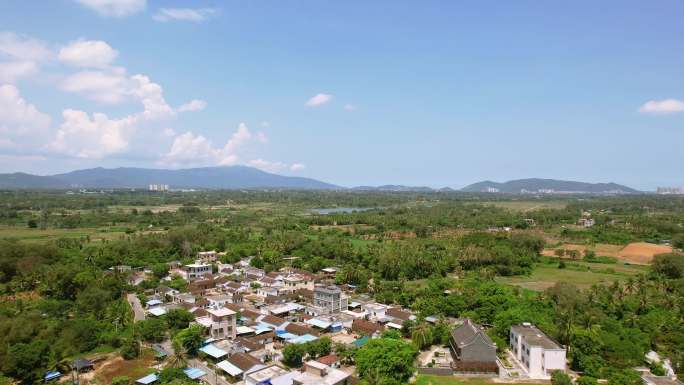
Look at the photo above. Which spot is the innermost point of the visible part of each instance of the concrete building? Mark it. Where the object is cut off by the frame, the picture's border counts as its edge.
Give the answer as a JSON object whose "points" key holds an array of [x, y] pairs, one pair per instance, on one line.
{"points": [[538, 354], [316, 373], [222, 323], [327, 300], [294, 282], [207, 256], [197, 270]]}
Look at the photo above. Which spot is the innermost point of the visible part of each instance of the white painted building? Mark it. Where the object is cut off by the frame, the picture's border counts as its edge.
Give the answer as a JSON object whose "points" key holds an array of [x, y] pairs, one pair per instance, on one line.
{"points": [[222, 323], [539, 355], [197, 270]]}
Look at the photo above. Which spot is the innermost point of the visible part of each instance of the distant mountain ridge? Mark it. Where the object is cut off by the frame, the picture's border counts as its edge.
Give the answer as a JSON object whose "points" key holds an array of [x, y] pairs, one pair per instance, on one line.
{"points": [[534, 185], [243, 177], [228, 177]]}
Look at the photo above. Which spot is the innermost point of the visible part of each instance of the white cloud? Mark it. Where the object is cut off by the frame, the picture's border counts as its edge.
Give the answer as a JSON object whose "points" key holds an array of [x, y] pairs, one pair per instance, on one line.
{"points": [[190, 148], [113, 87], [152, 97], [185, 14], [88, 53], [83, 137], [662, 107], [319, 100], [115, 8], [297, 166], [103, 87], [349, 107], [193, 105], [12, 71], [20, 56], [168, 131], [267, 166], [21, 124], [22, 47]]}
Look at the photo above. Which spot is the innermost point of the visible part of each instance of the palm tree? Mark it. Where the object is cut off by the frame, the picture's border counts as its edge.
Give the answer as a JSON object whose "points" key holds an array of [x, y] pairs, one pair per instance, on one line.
{"points": [[422, 335], [179, 358]]}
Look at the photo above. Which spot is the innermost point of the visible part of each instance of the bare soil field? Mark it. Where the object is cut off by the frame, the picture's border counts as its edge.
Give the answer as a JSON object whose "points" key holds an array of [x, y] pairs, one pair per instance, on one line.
{"points": [[639, 253], [642, 253]]}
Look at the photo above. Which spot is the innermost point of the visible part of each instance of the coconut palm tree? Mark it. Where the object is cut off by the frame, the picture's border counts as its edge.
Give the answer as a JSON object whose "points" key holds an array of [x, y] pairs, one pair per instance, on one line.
{"points": [[179, 358], [422, 335]]}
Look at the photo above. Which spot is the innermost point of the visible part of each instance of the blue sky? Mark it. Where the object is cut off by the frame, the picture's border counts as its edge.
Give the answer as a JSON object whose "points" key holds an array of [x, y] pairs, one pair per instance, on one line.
{"points": [[437, 93]]}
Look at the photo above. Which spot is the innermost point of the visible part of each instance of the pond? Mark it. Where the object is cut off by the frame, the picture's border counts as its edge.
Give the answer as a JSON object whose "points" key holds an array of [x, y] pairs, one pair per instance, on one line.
{"points": [[334, 210]]}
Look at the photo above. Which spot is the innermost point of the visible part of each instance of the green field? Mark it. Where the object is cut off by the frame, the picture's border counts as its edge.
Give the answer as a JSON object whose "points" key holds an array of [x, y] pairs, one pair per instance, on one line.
{"points": [[424, 379], [38, 235], [515, 205], [546, 275]]}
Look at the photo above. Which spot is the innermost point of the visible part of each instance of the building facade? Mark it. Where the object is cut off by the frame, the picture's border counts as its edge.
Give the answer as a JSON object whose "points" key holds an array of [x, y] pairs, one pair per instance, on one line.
{"points": [[539, 355]]}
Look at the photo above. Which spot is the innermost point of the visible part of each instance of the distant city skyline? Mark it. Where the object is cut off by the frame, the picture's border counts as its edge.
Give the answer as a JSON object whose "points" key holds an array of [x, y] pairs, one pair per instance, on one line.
{"points": [[435, 93]]}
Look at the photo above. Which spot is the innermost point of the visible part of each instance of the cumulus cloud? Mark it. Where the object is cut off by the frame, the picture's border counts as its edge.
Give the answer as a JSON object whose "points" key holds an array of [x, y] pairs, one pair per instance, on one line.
{"points": [[193, 105], [319, 100], [152, 97], [22, 47], [267, 166], [100, 86], [88, 53], [20, 56], [189, 148], [168, 131], [21, 124], [84, 137], [12, 71], [196, 15], [297, 167], [115, 8], [662, 107]]}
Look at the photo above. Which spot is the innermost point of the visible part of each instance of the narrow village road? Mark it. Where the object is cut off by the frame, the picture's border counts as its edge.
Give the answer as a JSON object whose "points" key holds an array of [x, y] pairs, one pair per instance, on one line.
{"points": [[138, 311]]}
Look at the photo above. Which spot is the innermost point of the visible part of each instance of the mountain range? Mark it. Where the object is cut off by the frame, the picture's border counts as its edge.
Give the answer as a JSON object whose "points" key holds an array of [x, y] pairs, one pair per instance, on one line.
{"points": [[231, 177], [534, 185], [243, 177]]}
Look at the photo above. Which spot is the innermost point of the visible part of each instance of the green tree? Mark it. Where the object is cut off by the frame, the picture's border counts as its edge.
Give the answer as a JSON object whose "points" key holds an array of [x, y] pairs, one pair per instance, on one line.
{"points": [[293, 355], [422, 336], [191, 339], [391, 359], [560, 378]]}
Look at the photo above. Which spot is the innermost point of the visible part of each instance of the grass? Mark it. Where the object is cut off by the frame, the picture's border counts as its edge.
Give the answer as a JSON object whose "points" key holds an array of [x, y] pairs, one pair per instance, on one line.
{"points": [[38, 235], [514, 205], [133, 369], [424, 379], [581, 274]]}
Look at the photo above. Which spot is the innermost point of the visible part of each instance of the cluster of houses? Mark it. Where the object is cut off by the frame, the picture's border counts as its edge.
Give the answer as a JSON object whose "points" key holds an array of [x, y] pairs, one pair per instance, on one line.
{"points": [[250, 316]]}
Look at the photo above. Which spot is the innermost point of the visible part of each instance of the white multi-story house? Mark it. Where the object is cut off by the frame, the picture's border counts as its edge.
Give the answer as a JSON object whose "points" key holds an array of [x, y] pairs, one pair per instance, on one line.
{"points": [[294, 282], [197, 270], [328, 300], [219, 301], [539, 355], [206, 256], [376, 311], [222, 323]]}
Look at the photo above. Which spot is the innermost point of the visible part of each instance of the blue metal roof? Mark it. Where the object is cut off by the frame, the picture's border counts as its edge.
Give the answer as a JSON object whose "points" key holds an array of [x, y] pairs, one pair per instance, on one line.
{"points": [[213, 351], [148, 379], [49, 376], [193, 373], [303, 339]]}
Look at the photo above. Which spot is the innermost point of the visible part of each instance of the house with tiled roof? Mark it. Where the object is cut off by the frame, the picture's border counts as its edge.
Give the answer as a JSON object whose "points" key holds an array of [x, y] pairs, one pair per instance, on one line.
{"points": [[472, 348], [368, 328]]}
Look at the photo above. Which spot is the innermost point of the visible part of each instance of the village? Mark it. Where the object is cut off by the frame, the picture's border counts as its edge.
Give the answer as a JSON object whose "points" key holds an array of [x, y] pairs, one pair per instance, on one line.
{"points": [[249, 317]]}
